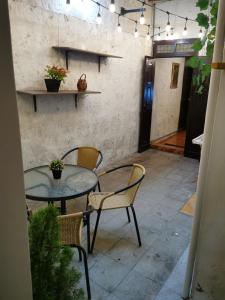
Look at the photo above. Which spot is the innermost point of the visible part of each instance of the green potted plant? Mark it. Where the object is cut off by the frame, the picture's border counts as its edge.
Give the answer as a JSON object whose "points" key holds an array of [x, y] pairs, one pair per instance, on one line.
{"points": [[56, 166], [53, 276], [54, 76]]}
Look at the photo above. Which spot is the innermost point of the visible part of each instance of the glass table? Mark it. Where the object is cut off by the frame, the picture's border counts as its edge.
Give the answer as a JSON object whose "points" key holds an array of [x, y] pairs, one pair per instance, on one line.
{"points": [[75, 182]]}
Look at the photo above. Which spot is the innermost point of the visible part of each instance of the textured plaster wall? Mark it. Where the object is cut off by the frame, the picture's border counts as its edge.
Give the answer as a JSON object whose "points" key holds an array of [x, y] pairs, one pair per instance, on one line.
{"points": [[108, 121], [166, 103]]}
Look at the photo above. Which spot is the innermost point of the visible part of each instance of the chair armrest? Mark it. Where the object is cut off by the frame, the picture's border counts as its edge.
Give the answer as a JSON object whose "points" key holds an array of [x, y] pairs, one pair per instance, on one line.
{"points": [[106, 197], [114, 169], [68, 152], [100, 160], [130, 186]]}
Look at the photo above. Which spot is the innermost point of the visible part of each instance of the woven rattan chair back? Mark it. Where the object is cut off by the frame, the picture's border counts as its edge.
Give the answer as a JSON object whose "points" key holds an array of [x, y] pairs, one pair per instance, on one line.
{"points": [[87, 157], [71, 229], [137, 173]]}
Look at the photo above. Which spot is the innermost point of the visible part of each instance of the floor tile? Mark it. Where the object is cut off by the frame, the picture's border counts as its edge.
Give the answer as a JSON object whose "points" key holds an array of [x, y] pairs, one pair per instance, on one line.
{"points": [[136, 287], [108, 273], [126, 252]]}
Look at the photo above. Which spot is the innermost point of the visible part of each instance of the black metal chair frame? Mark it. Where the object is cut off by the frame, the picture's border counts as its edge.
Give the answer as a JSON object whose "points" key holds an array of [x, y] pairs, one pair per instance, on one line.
{"points": [[99, 211]]}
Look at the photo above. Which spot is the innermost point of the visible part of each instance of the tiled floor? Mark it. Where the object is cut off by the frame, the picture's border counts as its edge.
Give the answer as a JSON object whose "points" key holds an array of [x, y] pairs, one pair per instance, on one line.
{"points": [[174, 143], [173, 288], [119, 269]]}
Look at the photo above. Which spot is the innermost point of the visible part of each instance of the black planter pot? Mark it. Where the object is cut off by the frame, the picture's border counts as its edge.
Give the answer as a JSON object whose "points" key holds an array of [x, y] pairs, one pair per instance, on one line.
{"points": [[52, 85], [56, 174]]}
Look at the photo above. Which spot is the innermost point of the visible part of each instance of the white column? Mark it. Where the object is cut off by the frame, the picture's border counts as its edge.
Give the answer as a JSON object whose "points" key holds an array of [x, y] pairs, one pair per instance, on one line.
{"points": [[15, 277], [210, 207]]}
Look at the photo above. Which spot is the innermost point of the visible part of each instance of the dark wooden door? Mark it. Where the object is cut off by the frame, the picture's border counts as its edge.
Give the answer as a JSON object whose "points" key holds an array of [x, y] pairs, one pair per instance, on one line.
{"points": [[146, 104], [187, 82], [195, 120]]}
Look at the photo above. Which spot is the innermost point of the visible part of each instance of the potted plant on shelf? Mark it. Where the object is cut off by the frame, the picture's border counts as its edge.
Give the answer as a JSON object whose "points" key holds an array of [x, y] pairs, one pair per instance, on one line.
{"points": [[54, 76], [56, 166]]}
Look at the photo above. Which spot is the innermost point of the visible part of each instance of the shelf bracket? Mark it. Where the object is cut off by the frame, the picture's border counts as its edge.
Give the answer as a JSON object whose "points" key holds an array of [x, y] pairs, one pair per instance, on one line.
{"points": [[67, 59], [99, 64], [75, 99], [35, 103]]}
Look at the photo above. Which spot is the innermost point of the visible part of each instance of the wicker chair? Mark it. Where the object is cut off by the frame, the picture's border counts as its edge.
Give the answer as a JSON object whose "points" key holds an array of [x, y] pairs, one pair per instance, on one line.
{"points": [[71, 234], [87, 157], [122, 198]]}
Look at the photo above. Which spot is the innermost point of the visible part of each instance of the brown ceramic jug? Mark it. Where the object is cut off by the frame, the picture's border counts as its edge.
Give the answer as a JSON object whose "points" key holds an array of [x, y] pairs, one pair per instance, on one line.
{"points": [[82, 83]]}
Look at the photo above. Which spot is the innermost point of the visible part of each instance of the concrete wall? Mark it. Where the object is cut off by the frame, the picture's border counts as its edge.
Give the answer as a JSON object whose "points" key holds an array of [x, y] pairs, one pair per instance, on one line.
{"points": [[166, 103], [108, 121], [185, 8], [15, 277]]}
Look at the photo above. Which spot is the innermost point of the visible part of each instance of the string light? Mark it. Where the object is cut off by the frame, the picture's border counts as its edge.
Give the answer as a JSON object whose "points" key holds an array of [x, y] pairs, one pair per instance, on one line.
{"points": [[136, 33], [172, 34], [148, 34], [99, 18], [168, 26], [158, 37], [185, 31], [119, 28], [200, 35], [142, 17], [164, 11], [112, 6]]}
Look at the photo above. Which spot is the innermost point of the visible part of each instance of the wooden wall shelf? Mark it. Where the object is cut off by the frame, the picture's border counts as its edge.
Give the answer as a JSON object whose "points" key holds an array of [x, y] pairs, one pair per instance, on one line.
{"points": [[100, 55], [35, 93]]}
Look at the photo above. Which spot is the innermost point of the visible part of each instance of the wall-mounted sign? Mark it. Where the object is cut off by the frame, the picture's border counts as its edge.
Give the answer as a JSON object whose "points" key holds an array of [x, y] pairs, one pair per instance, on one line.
{"points": [[174, 75]]}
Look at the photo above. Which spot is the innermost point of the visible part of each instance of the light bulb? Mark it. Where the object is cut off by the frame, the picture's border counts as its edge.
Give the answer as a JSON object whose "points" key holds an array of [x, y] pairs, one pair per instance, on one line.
{"points": [[99, 19], [200, 35], [148, 36], [136, 33], [119, 28], [142, 19], [185, 32], [67, 1], [158, 37], [168, 27], [112, 7]]}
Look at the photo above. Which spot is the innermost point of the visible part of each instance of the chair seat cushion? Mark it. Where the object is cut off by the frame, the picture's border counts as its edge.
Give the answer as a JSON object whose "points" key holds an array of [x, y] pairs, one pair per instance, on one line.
{"points": [[114, 201]]}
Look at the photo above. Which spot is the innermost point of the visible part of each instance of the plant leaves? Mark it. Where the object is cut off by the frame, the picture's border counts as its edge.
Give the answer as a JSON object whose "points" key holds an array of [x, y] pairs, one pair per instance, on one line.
{"points": [[203, 20], [197, 46], [202, 4], [193, 62], [214, 8], [209, 49]]}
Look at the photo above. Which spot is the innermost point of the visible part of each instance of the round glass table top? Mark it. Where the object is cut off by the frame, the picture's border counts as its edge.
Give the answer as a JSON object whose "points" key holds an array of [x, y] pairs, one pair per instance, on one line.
{"points": [[75, 182]]}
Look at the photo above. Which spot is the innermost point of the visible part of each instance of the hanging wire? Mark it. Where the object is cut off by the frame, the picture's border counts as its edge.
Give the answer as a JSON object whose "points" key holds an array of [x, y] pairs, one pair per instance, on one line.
{"points": [[100, 5], [119, 28], [165, 11]]}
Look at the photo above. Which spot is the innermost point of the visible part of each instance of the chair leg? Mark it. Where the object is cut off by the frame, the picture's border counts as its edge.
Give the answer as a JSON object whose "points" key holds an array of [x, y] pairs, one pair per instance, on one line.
{"points": [[95, 230], [99, 187], [86, 272], [87, 202], [88, 233], [136, 225], [80, 254], [128, 214]]}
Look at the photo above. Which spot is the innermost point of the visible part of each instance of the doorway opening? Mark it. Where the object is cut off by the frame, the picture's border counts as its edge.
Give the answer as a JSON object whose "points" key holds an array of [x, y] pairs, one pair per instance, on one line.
{"points": [[175, 142]]}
